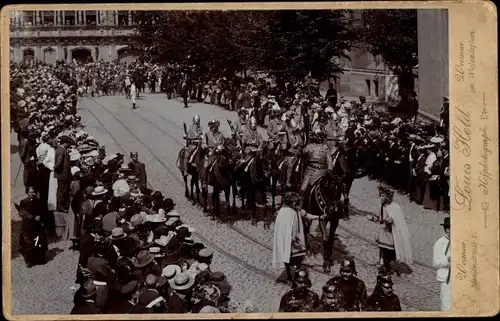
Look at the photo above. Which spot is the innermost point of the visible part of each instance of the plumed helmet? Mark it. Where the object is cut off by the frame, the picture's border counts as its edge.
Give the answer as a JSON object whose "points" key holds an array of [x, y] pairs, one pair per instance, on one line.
{"points": [[196, 118], [253, 122]]}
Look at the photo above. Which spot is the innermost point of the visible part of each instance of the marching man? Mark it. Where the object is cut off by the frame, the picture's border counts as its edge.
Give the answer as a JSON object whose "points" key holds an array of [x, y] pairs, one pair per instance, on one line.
{"points": [[133, 93]]}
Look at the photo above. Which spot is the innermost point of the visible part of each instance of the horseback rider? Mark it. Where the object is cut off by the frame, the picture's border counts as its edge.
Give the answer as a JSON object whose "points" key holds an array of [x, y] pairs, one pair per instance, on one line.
{"points": [[193, 139], [331, 127], [295, 147], [252, 142], [277, 129], [214, 142], [319, 161], [242, 124]]}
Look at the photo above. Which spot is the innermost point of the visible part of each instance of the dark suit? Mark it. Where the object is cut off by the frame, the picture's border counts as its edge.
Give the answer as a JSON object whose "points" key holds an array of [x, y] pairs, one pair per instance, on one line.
{"points": [[62, 172], [176, 304], [139, 170]]}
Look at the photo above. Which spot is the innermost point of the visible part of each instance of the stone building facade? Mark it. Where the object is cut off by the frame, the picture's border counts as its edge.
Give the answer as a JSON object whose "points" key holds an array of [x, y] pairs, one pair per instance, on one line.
{"points": [[82, 35]]}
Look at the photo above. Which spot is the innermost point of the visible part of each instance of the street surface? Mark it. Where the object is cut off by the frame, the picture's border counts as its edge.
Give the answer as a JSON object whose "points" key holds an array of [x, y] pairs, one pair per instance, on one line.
{"points": [[242, 251]]}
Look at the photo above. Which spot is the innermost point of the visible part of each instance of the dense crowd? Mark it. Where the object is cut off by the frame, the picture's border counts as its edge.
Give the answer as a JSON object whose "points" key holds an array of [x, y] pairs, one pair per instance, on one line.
{"points": [[136, 254]]}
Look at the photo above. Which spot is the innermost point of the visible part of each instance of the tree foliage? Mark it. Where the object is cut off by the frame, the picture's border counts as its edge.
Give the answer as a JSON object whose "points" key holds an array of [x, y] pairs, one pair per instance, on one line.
{"points": [[393, 35], [288, 44]]}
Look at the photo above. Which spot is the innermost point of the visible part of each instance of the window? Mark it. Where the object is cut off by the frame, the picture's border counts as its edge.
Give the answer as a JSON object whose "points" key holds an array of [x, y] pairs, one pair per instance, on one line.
{"points": [[70, 18], [27, 18], [123, 18], [375, 87], [368, 87], [91, 17], [48, 18]]}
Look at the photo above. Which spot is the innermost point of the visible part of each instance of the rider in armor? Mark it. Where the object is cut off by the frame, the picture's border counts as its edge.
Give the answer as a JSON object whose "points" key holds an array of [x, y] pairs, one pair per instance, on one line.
{"points": [[193, 137], [296, 144], [331, 127], [300, 298], [252, 142], [242, 124], [214, 142], [277, 129], [319, 161]]}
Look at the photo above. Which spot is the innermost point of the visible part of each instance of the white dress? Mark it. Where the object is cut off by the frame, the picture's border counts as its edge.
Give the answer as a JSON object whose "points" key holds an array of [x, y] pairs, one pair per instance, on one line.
{"points": [[49, 162]]}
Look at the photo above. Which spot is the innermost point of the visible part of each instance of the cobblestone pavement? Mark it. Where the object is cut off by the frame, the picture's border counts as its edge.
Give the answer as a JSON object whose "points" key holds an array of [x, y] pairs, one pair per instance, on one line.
{"points": [[242, 251]]}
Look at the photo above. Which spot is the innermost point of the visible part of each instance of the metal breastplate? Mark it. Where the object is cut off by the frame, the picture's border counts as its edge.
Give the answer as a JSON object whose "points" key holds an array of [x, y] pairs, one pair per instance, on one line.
{"points": [[318, 156]]}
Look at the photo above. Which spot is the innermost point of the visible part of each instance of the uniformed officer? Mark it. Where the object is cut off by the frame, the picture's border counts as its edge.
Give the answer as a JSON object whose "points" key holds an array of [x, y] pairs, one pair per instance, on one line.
{"points": [[193, 138], [352, 289], [214, 142], [383, 297], [330, 300], [319, 161], [300, 298]]}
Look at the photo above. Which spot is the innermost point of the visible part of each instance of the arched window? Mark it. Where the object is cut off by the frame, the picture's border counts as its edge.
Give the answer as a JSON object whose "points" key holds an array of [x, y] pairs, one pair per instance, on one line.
{"points": [[28, 55]]}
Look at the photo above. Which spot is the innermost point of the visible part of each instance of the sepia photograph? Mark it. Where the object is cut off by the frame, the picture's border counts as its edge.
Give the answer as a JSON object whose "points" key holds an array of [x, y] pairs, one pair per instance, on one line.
{"points": [[229, 161]]}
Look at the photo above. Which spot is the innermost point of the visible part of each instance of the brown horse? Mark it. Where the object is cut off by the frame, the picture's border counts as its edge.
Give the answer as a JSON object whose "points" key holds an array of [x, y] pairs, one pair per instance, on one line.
{"points": [[193, 170]]}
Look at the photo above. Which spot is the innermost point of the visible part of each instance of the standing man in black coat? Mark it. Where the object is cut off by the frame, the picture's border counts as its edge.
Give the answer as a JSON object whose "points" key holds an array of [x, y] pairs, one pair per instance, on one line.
{"points": [[62, 172]]}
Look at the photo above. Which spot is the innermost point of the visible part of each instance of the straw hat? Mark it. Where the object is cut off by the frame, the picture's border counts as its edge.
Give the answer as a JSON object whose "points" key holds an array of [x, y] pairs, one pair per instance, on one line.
{"points": [[182, 281], [117, 234], [99, 190], [171, 271]]}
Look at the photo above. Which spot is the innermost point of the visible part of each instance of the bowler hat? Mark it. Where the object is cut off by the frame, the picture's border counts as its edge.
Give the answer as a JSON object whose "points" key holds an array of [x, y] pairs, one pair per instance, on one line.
{"points": [[446, 222], [129, 287]]}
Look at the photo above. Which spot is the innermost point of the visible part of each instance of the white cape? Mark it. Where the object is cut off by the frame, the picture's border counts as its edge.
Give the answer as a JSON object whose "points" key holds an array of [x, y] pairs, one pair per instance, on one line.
{"points": [[400, 234], [287, 227]]}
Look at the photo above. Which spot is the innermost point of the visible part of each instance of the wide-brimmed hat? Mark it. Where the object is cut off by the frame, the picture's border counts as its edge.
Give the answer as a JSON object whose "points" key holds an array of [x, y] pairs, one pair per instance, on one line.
{"points": [[117, 234], [436, 140], [218, 278], [182, 281], [99, 190], [74, 155], [142, 259], [88, 289], [129, 288], [171, 271], [190, 229], [173, 214], [446, 222], [156, 218], [206, 254], [138, 219], [163, 240], [156, 251]]}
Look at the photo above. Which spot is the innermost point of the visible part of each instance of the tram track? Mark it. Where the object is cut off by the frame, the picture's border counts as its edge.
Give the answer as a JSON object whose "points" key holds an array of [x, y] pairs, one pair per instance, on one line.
{"points": [[239, 231], [351, 209]]}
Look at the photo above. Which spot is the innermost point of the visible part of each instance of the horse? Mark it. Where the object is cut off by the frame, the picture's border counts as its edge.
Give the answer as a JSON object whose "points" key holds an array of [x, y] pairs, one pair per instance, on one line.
{"points": [[193, 169], [253, 177], [220, 176], [323, 198]]}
